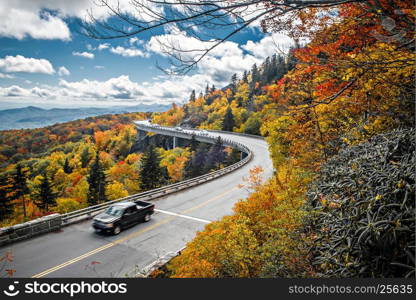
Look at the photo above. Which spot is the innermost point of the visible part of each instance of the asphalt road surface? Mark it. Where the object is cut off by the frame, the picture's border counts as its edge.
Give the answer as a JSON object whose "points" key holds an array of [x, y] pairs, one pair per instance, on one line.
{"points": [[77, 251]]}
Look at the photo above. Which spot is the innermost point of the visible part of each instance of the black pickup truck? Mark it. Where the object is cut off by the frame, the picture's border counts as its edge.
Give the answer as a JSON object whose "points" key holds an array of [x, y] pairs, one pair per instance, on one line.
{"points": [[123, 214]]}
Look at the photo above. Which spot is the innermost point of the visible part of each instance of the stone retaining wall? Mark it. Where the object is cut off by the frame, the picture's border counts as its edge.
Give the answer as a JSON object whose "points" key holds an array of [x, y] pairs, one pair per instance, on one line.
{"points": [[32, 228]]}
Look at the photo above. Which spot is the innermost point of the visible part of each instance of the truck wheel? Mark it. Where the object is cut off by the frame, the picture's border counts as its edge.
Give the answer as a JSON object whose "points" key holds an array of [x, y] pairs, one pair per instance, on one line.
{"points": [[147, 218], [117, 230]]}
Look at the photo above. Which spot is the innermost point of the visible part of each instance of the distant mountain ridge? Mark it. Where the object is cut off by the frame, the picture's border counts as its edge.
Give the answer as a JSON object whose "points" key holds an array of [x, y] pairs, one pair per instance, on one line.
{"points": [[34, 117]]}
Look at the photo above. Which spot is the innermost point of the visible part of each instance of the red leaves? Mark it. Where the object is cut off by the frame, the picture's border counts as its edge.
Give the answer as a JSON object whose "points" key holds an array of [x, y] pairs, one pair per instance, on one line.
{"points": [[10, 272], [8, 257], [76, 179]]}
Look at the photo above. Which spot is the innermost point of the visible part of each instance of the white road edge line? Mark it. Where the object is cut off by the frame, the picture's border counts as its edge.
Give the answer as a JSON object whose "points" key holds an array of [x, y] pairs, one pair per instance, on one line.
{"points": [[182, 216]]}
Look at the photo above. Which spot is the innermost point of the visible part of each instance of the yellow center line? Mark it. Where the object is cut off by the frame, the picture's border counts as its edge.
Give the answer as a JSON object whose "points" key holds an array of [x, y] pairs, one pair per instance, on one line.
{"points": [[127, 237]]}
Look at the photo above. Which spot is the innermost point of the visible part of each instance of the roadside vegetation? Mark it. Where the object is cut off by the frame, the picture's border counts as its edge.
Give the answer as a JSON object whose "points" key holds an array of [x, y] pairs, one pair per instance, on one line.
{"points": [[338, 115]]}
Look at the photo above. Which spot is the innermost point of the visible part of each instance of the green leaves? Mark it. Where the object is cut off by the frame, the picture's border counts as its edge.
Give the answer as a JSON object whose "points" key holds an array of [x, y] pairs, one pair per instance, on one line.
{"points": [[364, 202]]}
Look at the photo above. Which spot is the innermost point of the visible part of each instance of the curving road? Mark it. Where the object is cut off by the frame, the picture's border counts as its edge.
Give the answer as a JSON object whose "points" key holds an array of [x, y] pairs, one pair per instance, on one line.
{"points": [[77, 251]]}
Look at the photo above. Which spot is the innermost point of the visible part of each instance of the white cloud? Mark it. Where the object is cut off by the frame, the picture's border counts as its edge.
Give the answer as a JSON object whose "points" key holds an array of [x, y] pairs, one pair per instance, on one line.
{"points": [[127, 52], [219, 64], [19, 23], [14, 91], [23, 18], [63, 71], [103, 46], [116, 88], [84, 54], [216, 68], [20, 63], [269, 45], [135, 40]]}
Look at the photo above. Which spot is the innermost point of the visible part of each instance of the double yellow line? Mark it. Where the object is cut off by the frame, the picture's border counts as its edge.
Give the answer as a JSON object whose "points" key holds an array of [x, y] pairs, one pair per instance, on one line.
{"points": [[132, 235]]}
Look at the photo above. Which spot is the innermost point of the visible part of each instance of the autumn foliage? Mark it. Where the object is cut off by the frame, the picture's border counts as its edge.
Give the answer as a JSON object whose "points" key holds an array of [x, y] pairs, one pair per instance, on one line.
{"points": [[354, 80]]}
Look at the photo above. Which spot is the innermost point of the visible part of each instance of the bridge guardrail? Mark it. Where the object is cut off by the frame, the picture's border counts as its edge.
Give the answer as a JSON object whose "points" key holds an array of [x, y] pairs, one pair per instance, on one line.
{"points": [[56, 221], [166, 190]]}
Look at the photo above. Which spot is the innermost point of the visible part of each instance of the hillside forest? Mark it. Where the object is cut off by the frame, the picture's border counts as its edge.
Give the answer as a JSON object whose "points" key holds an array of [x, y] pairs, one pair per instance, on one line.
{"points": [[338, 116], [73, 165]]}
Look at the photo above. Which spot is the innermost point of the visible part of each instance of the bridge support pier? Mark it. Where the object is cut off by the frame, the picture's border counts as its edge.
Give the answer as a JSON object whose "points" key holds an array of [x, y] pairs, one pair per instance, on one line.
{"points": [[175, 142]]}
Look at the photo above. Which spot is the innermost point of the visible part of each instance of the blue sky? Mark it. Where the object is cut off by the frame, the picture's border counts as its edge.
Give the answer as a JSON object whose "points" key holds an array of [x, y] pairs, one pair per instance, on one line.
{"points": [[45, 62]]}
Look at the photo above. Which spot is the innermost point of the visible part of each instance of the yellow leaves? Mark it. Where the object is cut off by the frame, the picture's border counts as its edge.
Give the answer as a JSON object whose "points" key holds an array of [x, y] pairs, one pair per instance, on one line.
{"points": [[401, 184], [254, 179], [115, 190], [65, 205], [224, 249], [102, 139], [133, 158], [262, 226], [122, 171], [175, 161], [172, 117]]}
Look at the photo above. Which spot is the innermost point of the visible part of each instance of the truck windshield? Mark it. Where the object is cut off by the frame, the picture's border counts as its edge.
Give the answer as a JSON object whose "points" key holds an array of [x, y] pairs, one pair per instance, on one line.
{"points": [[114, 211]]}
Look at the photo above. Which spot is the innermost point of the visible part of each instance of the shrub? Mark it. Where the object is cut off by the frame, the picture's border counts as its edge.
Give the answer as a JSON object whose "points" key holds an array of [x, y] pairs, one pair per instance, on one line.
{"points": [[363, 209]]}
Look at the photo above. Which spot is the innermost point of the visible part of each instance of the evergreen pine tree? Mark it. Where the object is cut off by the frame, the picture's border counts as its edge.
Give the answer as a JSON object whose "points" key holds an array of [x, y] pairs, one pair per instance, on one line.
{"points": [[239, 102], [185, 111], [43, 196], [228, 122], [274, 69], [6, 206], [245, 77], [207, 90], [265, 72], [254, 77], [196, 164], [67, 168], [193, 144], [85, 157], [19, 187], [97, 183], [152, 174], [253, 87], [234, 83], [216, 155], [192, 97]]}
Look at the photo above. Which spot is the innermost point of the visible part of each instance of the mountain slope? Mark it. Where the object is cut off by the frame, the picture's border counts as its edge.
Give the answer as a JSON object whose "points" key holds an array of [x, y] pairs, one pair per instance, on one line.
{"points": [[34, 117]]}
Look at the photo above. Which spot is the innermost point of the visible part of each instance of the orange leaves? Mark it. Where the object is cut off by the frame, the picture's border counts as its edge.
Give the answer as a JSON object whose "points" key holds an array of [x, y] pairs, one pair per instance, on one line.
{"points": [[172, 117], [224, 249], [175, 161], [6, 259], [261, 229], [101, 139], [10, 272], [115, 190], [254, 179]]}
